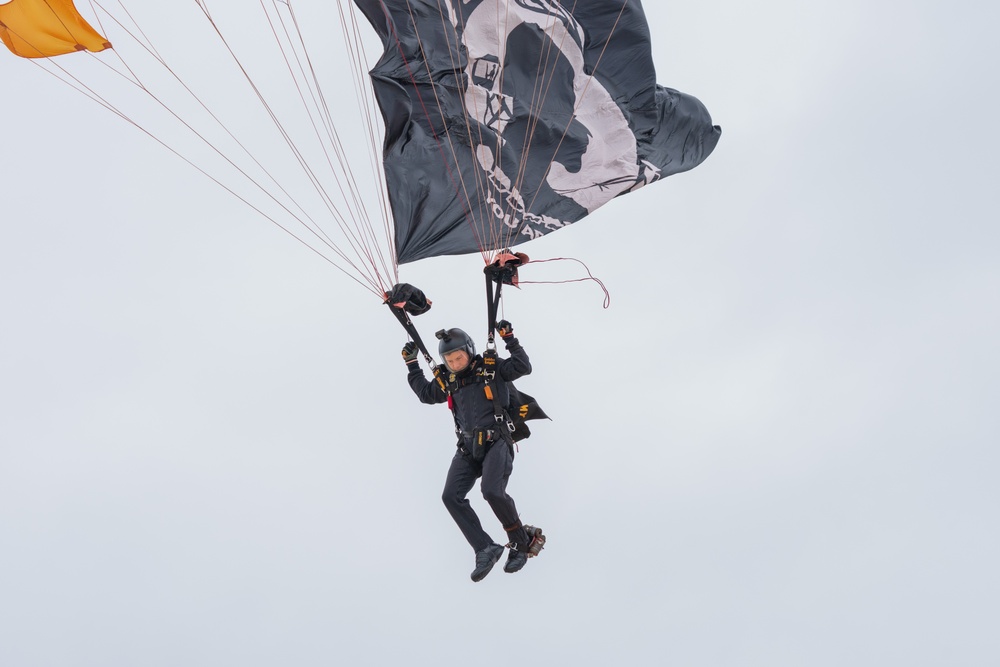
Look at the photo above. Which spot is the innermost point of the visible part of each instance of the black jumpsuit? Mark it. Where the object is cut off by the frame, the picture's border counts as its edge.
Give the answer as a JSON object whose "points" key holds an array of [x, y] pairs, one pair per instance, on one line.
{"points": [[473, 409]]}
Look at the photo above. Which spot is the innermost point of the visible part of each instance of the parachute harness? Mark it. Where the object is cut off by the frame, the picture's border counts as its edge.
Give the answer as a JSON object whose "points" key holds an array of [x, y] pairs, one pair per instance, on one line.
{"points": [[502, 271], [405, 300]]}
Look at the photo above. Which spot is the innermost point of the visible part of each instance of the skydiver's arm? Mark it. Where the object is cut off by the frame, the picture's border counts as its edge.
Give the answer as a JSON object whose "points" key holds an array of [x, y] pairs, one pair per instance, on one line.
{"points": [[428, 391], [518, 364]]}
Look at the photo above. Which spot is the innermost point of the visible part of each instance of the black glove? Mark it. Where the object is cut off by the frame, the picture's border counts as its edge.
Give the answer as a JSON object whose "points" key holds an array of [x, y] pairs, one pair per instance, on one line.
{"points": [[410, 353], [505, 329]]}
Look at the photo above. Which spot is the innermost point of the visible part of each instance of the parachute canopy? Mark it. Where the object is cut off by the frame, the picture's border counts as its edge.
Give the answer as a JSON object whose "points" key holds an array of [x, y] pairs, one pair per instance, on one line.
{"points": [[509, 119], [45, 28]]}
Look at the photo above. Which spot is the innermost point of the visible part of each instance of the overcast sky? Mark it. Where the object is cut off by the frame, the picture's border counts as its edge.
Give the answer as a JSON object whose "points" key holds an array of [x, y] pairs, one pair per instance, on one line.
{"points": [[778, 447]]}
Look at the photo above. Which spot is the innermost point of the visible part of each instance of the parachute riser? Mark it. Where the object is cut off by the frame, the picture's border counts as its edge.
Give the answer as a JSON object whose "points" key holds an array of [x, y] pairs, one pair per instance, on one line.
{"points": [[502, 271], [493, 295], [403, 300], [407, 323]]}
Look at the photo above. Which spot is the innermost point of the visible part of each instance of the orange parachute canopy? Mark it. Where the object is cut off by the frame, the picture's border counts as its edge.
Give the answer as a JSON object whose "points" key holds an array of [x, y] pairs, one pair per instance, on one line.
{"points": [[44, 28]]}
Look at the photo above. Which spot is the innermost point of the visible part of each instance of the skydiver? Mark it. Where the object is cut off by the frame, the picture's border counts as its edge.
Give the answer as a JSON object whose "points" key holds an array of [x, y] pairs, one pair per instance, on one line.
{"points": [[476, 422]]}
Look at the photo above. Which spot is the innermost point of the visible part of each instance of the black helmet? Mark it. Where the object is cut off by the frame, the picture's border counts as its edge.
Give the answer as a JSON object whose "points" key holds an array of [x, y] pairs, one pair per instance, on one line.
{"points": [[455, 339]]}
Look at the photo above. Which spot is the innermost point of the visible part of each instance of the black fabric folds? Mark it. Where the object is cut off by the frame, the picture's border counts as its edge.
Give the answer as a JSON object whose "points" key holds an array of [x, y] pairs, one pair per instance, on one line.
{"points": [[506, 120]]}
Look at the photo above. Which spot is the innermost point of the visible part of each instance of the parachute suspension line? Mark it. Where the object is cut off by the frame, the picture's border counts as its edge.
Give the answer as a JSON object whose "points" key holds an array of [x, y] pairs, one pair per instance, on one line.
{"points": [[366, 105], [312, 81], [138, 83], [147, 44], [364, 97], [328, 129], [366, 235], [480, 113], [478, 225], [576, 107], [497, 230], [500, 213], [221, 154], [543, 87], [497, 234], [500, 236], [77, 85], [68, 79], [460, 76], [100, 24], [510, 210], [342, 224], [440, 108], [539, 91], [487, 230], [372, 244], [152, 51], [507, 203], [281, 130], [371, 113], [409, 71]]}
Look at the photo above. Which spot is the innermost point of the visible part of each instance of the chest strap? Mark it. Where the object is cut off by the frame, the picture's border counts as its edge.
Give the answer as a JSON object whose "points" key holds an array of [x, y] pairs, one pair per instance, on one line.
{"points": [[503, 420]]}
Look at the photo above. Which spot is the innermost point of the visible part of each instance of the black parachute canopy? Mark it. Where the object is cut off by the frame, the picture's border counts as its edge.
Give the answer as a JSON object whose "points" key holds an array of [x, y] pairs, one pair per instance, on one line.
{"points": [[509, 119]]}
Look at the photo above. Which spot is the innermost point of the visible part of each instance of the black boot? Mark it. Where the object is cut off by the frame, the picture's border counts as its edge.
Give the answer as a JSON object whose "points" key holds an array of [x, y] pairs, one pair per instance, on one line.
{"points": [[485, 560], [515, 560], [520, 552]]}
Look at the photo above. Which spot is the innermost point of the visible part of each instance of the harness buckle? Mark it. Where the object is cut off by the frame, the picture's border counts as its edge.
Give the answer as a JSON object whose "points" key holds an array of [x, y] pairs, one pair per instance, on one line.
{"points": [[506, 421]]}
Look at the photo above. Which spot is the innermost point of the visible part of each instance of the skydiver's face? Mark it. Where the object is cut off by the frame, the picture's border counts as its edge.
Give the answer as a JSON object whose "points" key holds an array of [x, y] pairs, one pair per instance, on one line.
{"points": [[457, 360]]}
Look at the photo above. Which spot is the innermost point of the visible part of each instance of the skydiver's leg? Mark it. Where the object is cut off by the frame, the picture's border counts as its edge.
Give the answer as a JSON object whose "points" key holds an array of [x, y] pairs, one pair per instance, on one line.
{"points": [[497, 467], [462, 475]]}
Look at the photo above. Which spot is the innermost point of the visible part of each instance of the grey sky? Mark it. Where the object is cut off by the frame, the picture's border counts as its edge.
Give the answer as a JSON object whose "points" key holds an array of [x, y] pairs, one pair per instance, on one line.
{"points": [[778, 447]]}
